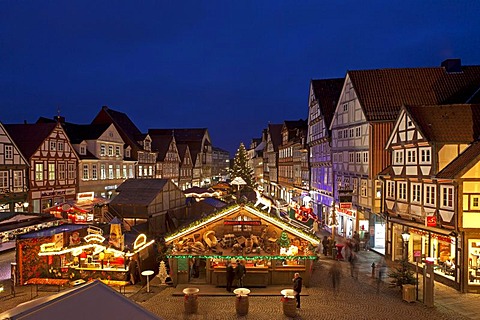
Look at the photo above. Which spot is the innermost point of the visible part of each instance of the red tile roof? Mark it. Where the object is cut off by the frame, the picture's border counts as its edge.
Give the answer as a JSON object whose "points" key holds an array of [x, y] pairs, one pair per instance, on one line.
{"points": [[462, 163], [382, 92], [29, 137], [457, 123]]}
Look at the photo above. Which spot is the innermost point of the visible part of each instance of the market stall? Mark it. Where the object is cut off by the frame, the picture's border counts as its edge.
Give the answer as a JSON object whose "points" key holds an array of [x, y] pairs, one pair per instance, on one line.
{"points": [[270, 249], [73, 252]]}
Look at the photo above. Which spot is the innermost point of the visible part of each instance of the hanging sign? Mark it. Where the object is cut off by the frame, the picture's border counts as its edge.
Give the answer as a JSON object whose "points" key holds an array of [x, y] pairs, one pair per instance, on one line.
{"points": [[431, 221]]}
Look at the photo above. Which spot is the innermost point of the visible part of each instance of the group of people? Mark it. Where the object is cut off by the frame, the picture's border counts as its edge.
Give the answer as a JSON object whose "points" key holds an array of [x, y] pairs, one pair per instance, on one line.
{"points": [[238, 274]]}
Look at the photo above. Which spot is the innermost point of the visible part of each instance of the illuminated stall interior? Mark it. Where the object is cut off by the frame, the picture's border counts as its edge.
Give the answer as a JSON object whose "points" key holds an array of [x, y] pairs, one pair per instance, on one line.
{"points": [[271, 249], [75, 252]]}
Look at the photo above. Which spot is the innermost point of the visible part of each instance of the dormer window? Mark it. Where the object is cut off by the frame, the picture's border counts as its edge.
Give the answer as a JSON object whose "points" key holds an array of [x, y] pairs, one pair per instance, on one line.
{"points": [[147, 145], [103, 150], [127, 153], [83, 150]]}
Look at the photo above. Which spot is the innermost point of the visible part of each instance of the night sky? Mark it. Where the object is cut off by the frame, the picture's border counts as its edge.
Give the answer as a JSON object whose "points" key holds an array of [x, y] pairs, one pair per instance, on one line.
{"points": [[229, 66]]}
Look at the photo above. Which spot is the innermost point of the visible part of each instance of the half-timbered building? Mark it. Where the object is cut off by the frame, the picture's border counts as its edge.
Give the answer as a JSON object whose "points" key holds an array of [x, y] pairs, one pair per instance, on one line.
{"points": [[13, 175], [364, 117], [270, 160], [431, 186], [185, 170], [168, 160], [322, 100], [53, 163]]}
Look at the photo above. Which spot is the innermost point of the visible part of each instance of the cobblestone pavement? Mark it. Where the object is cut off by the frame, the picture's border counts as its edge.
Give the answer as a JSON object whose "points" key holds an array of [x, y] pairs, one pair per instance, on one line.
{"points": [[356, 299]]}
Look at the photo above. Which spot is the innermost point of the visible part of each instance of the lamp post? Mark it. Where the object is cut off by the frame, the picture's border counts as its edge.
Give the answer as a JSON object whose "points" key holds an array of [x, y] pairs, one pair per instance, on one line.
{"points": [[405, 237]]}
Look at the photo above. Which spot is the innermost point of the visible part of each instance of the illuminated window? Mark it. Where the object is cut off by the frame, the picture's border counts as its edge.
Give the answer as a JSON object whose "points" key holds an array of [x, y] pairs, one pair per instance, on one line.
{"points": [[38, 171], [61, 171], [411, 156], [4, 180], [85, 172]]}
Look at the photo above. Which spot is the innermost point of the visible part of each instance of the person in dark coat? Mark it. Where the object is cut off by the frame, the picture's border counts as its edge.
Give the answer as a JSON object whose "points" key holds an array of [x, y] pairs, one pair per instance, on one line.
{"points": [[325, 245], [297, 287], [240, 272], [230, 276]]}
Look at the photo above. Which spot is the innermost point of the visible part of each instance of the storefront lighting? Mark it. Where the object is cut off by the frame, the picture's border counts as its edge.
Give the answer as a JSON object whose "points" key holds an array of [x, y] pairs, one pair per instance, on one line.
{"points": [[190, 256], [94, 237], [406, 236]]}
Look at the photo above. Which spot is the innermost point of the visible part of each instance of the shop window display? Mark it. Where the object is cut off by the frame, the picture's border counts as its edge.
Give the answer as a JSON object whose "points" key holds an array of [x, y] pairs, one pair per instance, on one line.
{"points": [[474, 261]]}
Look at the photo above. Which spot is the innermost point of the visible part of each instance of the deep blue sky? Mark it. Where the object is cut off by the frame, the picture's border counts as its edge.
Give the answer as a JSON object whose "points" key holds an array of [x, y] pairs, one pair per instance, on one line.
{"points": [[230, 66]]}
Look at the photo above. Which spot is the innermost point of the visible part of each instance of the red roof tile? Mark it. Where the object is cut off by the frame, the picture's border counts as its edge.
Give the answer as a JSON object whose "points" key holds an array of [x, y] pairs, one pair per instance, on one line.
{"points": [[461, 164]]}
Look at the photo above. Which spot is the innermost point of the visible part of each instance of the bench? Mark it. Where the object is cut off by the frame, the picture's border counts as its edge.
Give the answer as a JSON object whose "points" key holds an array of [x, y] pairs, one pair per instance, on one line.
{"points": [[116, 283], [41, 283]]}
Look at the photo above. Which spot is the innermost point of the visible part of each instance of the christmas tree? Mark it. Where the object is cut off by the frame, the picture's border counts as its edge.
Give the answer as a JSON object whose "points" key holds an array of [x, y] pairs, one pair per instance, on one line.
{"points": [[284, 241], [242, 169]]}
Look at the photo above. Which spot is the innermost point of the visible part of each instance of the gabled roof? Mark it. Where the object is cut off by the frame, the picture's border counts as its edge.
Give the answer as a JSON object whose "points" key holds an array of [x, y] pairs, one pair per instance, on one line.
{"points": [[296, 128], [234, 210], [458, 123], [182, 151], [101, 301], [327, 92], [29, 137], [127, 129], [139, 191], [462, 163], [22, 156], [79, 132], [161, 144], [382, 92], [275, 131]]}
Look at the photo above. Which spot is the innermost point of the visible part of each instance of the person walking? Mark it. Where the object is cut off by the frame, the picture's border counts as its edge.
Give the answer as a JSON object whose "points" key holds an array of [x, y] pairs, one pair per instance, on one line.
{"points": [[240, 272], [335, 273], [297, 287], [325, 245], [353, 260], [366, 239], [356, 241], [230, 276], [382, 270]]}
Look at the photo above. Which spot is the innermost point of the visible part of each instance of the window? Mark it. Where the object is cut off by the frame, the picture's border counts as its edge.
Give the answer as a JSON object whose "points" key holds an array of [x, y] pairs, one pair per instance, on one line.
{"points": [[85, 172], [345, 107], [110, 171], [71, 171], [411, 156], [416, 192], [475, 202], [358, 157], [425, 155], [391, 189], [94, 172], [130, 171], [127, 153], [358, 132], [117, 151], [110, 150], [103, 172], [53, 145], [124, 176], [430, 191], [351, 157], [102, 150], [38, 171], [147, 145], [351, 133], [83, 150], [398, 157], [117, 172], [61, 171], [365, 157], [60, 145], [402, 191], [4, 180], [363, 188], [51, 171], [17, 179], [340, 134], [140, 170], [8, 152], [447, 196]]}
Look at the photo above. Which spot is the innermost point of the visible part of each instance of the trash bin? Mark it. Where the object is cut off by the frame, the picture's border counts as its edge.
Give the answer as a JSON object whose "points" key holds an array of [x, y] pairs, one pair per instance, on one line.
{"points": [[190, 300], [289, 305], [241, 301], [408, 293]]}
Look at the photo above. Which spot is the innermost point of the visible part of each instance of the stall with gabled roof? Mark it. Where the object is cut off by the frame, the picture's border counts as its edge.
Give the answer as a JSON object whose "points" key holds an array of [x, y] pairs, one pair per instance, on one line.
{"points": [[271, 249]]}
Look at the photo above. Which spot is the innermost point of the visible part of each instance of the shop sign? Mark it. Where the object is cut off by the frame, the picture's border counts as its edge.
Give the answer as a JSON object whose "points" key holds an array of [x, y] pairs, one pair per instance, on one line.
{"points": [[417, 253], [242, 222], [53, 193], [84, 196], [345, 205], [431, 221]]}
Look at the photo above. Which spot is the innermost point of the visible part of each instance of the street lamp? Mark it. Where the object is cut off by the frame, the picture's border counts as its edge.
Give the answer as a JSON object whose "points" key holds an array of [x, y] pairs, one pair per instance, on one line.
{"points": [[406, 237]]}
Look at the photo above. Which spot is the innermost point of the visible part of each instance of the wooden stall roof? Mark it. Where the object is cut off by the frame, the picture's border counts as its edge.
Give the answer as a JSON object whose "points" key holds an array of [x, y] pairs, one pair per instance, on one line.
{"points": [[235, 209]]}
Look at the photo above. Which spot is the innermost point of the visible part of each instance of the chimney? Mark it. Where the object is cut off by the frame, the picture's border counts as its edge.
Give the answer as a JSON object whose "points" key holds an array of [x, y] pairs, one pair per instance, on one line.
{"points": [[452, 65]]}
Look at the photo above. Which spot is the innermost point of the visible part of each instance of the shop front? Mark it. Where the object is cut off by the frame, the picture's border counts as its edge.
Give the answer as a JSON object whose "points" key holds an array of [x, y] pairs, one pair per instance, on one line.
{"points": [[270, 249], [417, 242]]}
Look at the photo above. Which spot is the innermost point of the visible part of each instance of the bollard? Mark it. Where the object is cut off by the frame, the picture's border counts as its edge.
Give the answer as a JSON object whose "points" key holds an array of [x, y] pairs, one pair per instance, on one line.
{"points": [[373, 269]]}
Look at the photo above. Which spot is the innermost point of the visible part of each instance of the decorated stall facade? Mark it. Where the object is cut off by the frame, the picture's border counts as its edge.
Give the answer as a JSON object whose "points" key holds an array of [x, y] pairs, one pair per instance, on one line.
{"points": [[270, 249], [78, 252]]}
